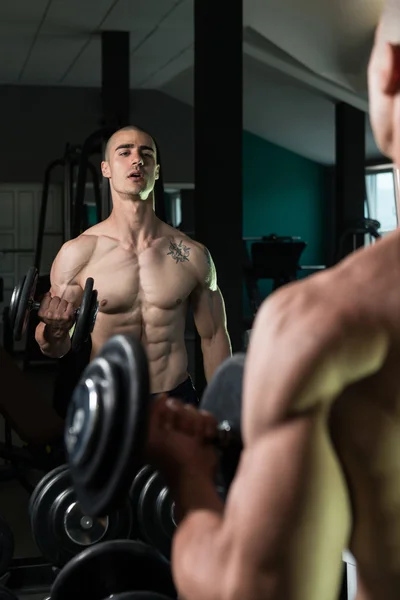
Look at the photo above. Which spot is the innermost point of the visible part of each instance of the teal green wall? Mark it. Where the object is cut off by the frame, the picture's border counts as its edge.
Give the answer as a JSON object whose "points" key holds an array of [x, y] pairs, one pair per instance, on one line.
{"points": [[283, 193]]}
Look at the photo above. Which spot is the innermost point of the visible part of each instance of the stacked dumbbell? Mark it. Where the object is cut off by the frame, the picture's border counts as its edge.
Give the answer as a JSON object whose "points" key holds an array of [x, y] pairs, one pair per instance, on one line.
{"points": [[105, 436], [99, 550]]}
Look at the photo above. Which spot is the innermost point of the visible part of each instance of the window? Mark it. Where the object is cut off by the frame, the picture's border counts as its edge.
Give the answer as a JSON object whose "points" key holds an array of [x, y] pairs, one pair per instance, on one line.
{"points": [[381, 198]]}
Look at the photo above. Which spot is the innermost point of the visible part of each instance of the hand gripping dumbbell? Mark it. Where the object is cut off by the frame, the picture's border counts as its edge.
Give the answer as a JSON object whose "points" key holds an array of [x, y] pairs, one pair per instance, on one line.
{"points": [[23, 302], [107, 422]]}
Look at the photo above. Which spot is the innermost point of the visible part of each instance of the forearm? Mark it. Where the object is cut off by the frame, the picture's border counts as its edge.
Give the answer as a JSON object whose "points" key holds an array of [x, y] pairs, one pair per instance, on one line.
{"points": [[193, 493], [50, 345], [199, 557], [215, 351]]}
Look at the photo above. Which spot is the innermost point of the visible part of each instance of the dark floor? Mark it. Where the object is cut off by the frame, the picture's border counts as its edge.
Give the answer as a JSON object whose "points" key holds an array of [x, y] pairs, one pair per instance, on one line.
{"points": [[14, 498]]}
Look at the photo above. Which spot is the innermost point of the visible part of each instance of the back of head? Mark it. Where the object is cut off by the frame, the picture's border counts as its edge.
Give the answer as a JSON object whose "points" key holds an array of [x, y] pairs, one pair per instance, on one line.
{"points": [[384, 82]]}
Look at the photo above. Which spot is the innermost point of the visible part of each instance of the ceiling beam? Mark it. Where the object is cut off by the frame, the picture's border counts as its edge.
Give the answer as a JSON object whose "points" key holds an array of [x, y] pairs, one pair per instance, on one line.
{"points": [[304, 76]]}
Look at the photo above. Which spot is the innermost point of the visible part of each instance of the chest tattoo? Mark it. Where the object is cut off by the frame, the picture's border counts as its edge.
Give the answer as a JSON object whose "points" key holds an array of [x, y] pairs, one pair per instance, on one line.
{"points": [[179, 252]]}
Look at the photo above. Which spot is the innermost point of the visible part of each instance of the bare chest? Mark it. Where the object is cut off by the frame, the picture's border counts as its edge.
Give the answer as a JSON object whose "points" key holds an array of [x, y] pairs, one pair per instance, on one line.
{"points": [[126, 281]]}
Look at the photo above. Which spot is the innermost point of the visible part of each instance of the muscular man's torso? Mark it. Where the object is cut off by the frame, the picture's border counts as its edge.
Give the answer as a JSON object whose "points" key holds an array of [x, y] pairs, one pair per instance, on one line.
{"points": [[144, 292]]}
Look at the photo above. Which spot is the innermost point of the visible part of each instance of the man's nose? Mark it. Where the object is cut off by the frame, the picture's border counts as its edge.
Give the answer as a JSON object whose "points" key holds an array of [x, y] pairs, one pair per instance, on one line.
{"points": [[137, 159]]}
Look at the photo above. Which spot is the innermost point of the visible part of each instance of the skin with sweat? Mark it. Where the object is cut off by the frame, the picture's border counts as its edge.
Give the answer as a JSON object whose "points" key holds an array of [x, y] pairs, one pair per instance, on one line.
{"points": [[319, 471], [146, 274]]}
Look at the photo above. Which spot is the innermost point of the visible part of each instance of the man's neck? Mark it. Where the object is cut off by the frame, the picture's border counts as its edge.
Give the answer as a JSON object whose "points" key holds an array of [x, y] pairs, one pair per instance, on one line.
{"points": [[134, 220]]}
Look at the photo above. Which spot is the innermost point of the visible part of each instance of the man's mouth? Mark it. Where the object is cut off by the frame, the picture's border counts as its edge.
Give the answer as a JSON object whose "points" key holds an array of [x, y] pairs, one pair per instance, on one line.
{"points": [[135, 175]]}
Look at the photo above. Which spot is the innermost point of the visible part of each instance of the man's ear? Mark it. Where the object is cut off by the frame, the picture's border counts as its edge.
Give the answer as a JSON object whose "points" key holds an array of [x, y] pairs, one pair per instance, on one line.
{"points": [[158, 172], [105, 169], [390, 70]]}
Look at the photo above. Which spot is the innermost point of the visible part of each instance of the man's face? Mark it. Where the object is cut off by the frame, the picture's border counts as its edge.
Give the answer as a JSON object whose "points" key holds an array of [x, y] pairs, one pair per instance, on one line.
{"points": [[131, 164]]}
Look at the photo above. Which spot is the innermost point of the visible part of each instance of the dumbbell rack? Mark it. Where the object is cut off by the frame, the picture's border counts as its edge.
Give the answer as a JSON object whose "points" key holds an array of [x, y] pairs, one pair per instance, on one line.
{"points": [[29, 576]]}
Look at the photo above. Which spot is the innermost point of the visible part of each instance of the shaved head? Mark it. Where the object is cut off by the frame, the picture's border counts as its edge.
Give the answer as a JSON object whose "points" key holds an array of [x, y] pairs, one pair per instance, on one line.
{"points": [[116, 133], [384, 82], [389, 26]]}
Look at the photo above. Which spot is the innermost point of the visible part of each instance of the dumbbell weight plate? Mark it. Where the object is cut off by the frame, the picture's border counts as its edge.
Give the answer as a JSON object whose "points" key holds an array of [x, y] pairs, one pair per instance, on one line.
{"points": [[61, 529], [15, 298], [6, 546], [86, 316], [20, 303], [108, 417], [156, 515], [139, 482], [223, 398], [112, 568]]}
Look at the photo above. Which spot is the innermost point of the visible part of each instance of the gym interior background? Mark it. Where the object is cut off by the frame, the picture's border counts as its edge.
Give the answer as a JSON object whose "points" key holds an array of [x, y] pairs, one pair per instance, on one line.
{"points": [[300, 73]]}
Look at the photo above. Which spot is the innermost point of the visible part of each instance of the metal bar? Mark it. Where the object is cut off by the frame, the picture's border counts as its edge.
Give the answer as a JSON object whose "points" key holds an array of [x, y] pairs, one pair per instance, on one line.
{"points": [[16, 250], [96, 190], [67, 199], [43, 210], [88, 145], [159, 195]]}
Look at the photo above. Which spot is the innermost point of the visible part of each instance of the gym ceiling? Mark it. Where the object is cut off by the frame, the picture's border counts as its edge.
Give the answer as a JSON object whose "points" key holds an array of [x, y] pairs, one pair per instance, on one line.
{"points": [[300, 56]]}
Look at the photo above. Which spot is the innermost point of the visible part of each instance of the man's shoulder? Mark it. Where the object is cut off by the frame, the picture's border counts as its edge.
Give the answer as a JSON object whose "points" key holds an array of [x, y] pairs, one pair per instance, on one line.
{"points": [[194, 251], [78, 249]]}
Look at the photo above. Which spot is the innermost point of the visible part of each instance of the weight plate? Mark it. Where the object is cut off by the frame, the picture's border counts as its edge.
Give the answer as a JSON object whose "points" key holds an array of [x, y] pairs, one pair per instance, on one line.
{"points": [[111, 568], [137, 486], [59, 526], [156, 515], [25, 296], [42, 483], [15, 298], [223, 398], [6, 546], [92, 419], [6, 594], [83, 324], [124, 400], [94, 309]]}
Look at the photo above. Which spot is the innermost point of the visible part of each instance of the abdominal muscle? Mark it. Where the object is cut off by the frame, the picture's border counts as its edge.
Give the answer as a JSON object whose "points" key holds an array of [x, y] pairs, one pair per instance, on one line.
{"points": [[162, 338]]}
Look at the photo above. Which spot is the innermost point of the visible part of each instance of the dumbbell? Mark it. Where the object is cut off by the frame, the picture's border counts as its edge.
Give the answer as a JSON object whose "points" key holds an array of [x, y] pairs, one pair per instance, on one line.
{"points": [[114, 568], [61, 529], [108, 416], [23, 302]]}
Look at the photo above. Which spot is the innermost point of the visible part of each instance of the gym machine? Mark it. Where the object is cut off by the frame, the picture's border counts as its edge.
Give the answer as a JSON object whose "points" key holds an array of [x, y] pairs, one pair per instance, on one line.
{"points": [[69, 163], [270, 257], [354, 236]]}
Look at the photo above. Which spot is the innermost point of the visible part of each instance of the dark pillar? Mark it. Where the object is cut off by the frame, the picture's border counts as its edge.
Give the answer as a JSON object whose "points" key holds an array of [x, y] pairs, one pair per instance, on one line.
{"points": [[350, 172], [115, 92], [115, 78], [187, 209], [218, 153]]}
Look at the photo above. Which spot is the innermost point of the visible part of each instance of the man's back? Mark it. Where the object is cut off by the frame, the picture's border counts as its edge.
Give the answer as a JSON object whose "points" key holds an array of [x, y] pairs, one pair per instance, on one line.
{"points": [[331, 350]]}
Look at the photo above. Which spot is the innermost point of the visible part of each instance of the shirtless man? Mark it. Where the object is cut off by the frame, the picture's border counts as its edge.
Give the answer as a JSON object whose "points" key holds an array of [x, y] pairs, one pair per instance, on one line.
{"points": [[146, 274], [320, 468]]}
